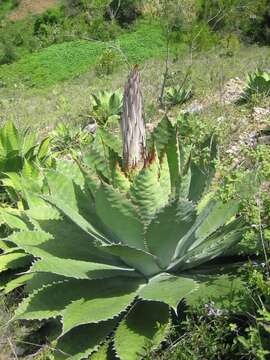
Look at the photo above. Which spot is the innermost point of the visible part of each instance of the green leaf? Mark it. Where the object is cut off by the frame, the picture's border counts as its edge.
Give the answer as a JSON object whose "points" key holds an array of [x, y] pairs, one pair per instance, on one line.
{"points": [[215, 245], [226, 290], [102, 353], [120, 217], [162, 135], [83, 340], [145, 191], [102, 301], [169, 225], [17, 282], [168, 288], [220, 214], [78, 269], [144, 326], [75, 217], [14, 260], [44, 148], [140, 260], [10, 137]]}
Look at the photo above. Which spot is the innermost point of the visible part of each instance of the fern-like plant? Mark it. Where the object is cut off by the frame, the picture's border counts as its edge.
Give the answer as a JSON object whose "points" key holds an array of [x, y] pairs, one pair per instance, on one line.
{"points": [[115, 252]]}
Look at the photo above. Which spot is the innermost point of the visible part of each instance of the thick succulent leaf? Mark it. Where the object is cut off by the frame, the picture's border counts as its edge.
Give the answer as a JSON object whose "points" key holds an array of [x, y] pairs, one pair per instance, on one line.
{"points": [[215, 245], [39, 280], [102, 300], [174, 162], [119, 179], [120, 216], [144, 324], [14, 260], [162, 135], [83, 340], [17, 282], [69, 189], [165, 179], [30, 241], [225, 289], [68, 240], [168, 288], [13, 219], [76, 218], [103, 353], [220, 214], [48, 301], [213, 215], [10, 138], [202, 174], [5, 246], [169, 225], [97, 160], [71, 170], [79, 269], [140, 260], [145, 191]]}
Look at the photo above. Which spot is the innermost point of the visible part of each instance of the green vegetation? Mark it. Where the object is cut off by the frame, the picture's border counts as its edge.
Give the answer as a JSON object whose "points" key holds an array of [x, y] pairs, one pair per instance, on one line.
{"points": [[71, 59], [84, 268], [112, 265]]}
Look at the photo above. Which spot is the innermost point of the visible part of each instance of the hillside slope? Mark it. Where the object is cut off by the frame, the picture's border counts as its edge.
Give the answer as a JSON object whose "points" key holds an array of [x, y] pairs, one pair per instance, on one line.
{"points": [[31, 7]]}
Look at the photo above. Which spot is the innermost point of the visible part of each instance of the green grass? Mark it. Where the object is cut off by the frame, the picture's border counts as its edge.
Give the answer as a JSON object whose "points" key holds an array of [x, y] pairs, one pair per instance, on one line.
{"points": [[5, 7], [70, 59]]}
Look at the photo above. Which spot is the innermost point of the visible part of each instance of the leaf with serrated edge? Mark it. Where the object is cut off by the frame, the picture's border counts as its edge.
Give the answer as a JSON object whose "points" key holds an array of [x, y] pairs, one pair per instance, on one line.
{"points": [[79, 269], [168, 226], [144, 324], [168, 288], [101, 301], [225, 289], [82, 341], [140, 260], [14, 260], [17, 282], [120, 216], [75, 217]]}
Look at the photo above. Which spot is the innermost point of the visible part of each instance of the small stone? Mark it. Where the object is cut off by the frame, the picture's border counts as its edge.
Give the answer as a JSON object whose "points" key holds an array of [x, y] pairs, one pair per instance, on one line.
{"points": [[264, 140]]}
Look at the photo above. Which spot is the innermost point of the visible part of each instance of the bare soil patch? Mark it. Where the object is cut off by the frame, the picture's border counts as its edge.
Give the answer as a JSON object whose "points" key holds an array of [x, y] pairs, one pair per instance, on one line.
{"points": [[31, 7]]}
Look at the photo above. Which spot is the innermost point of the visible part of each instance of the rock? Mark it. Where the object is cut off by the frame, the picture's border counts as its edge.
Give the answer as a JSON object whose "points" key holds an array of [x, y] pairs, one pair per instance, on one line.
{"points": [[193, 108], [233, 90], [264, 140], [91, 128], [259, 113]]}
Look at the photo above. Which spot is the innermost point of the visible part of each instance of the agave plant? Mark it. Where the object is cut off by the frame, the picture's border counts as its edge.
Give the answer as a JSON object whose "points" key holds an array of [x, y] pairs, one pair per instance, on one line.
{"points": [[20, 153], [177, 95], [106, 107], [66, 138], [117, 247], [257, 83]]}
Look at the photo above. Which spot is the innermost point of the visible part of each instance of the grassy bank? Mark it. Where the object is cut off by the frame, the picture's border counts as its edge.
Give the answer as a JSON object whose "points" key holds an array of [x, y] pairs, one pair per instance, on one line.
{"points": [[68, 60]]}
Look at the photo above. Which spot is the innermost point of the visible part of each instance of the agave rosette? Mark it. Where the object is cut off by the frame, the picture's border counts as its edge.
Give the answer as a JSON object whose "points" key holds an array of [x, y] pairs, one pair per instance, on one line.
{"points": [[115, 252]]}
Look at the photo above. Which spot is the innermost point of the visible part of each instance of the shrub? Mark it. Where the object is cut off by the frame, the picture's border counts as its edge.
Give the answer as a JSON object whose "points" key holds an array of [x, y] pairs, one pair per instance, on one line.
{"points": [[177, 95], [43, 22], [106, 107], [127, 12], [7, 53], [255, 25], [107, 62], [258, 83]]}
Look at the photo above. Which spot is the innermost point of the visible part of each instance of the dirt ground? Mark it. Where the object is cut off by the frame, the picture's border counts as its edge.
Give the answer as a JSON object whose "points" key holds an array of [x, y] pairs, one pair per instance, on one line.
{"points": [[28, 7]]}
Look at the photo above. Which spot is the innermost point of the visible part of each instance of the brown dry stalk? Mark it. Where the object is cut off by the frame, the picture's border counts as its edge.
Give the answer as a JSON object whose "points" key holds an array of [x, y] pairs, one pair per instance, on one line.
{"points": [[132, 123]]}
